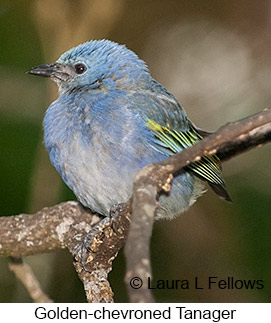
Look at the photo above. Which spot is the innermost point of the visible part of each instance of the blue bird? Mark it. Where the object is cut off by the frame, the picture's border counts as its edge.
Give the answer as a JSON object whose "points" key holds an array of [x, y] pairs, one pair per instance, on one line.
{"points": [[110, 120]]}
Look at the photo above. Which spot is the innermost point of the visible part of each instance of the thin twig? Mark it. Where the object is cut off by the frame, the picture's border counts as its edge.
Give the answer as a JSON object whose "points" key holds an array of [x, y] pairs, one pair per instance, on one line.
{"points": [[25, 274]]}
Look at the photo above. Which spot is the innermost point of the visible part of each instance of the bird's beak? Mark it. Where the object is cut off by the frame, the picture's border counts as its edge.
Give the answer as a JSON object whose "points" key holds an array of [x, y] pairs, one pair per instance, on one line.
{"points": [[56, 71]]}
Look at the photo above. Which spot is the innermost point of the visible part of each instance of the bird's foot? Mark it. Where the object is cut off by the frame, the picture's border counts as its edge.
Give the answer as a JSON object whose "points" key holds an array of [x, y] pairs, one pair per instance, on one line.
{"points": [[85, 252], [113, 215]]}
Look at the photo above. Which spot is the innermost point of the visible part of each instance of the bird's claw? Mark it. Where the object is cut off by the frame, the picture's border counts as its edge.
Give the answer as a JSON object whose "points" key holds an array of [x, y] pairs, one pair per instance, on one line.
{"points": [[85, 251], [89, 245], [82, 251], [114, 212]]}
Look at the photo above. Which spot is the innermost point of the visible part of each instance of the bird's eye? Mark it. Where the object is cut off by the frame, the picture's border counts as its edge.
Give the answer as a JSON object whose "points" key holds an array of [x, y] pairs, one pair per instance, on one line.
{"points": [[80, 68]]}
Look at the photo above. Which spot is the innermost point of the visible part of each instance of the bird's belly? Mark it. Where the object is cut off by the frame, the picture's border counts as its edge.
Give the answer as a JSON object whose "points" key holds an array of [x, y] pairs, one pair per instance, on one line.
{"points": [[96, 179], [99, 179]]}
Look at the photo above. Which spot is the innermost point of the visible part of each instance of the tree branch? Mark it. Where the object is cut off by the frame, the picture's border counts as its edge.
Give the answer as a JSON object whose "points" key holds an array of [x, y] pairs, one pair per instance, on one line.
{"points": [[25, 274], [227, 142], [65, 225], [52, 228]]}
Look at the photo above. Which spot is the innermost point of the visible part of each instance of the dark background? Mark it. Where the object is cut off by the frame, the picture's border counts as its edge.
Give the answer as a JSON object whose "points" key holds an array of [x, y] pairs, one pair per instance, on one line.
{"points": [[214, 56]]}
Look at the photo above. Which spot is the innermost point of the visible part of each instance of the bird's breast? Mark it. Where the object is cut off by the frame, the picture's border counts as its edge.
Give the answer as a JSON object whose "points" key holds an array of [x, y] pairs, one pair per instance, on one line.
{"points": [[97, 163]]}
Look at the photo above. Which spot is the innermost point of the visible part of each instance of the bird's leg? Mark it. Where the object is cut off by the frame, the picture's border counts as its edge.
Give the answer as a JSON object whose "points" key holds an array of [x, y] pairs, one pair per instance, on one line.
{"points": [[113, 215], [105, 229], [90, 242]]}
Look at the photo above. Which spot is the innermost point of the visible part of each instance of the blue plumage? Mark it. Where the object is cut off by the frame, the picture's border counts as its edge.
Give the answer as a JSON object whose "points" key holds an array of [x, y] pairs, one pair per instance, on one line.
{"points": [[97, 132]]}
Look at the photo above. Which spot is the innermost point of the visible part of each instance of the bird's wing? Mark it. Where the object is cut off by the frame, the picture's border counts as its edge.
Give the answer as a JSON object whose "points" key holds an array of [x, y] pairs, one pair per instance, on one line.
{"points": [[208, 168]]}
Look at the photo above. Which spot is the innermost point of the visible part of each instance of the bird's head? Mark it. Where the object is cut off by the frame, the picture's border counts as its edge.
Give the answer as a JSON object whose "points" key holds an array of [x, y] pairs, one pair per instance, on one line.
{"points": [[94, 65]]}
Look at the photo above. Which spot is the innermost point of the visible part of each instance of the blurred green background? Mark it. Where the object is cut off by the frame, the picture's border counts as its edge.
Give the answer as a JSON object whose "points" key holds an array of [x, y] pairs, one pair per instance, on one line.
{"points": [[214, 56]]}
